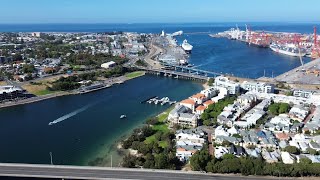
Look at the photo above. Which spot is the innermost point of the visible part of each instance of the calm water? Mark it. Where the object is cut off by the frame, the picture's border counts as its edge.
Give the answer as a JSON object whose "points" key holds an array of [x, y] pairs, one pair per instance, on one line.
{"points": [[26, 137]]}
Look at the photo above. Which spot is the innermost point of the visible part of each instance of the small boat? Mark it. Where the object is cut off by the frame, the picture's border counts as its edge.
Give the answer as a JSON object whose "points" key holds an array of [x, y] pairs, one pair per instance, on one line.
{"points": [[123, 116]]}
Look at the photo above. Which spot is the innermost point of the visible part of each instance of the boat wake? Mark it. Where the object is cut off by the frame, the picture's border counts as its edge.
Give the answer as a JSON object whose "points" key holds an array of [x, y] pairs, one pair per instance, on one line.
{"points": [[67, 116]]}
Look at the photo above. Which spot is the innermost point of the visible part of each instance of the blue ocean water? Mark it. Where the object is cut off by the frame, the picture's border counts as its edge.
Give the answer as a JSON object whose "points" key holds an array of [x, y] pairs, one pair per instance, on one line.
{"points": [[218, 55]]}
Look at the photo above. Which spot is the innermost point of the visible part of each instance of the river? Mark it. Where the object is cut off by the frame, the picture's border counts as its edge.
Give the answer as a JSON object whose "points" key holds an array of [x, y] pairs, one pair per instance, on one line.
{"points": [[91, 122]]}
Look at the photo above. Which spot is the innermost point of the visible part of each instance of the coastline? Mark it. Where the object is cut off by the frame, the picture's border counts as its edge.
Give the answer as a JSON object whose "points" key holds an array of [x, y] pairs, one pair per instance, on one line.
{"points": [[119, 80]]}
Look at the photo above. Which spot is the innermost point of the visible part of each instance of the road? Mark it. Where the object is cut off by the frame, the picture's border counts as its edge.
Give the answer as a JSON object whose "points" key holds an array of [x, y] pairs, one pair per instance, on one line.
{"points": [[82, 172]]}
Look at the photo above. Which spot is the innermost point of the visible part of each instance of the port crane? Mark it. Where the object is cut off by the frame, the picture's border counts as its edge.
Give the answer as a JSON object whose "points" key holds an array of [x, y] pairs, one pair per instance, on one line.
{"points": [[297, 40]]}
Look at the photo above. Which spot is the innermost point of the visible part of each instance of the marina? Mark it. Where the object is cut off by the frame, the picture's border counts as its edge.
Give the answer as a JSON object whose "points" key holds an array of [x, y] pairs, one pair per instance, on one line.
{"points": [[162, 101]]}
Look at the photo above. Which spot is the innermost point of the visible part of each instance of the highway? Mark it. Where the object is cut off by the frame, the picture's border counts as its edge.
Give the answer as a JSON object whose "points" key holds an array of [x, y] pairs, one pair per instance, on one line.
{"points": [[97, 173]]}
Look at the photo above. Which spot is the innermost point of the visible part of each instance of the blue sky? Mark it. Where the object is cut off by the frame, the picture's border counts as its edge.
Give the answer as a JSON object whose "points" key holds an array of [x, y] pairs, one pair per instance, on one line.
{"points": [[155, 11]]}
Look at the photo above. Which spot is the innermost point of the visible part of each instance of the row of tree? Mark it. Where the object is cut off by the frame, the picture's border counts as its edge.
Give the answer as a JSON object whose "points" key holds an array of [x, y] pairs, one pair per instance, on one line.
{"points": [[202, 161]]}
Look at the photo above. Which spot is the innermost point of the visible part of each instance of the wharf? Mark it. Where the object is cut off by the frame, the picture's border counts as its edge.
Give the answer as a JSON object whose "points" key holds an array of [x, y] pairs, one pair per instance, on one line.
{"points": [[307, 74]]}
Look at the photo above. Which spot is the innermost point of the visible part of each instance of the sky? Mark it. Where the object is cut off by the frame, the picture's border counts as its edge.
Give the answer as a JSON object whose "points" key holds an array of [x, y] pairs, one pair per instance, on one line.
{"points": [[158, 11]]}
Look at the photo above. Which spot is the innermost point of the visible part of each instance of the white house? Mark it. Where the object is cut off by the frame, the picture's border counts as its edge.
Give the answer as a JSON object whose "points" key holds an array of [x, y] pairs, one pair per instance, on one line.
{"points": [[287, 158], [108, 65]]}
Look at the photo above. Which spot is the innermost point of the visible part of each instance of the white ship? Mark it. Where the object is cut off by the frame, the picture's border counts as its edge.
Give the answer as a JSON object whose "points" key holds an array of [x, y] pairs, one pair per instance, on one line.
{"points": [[186, 46], [289, 49]]}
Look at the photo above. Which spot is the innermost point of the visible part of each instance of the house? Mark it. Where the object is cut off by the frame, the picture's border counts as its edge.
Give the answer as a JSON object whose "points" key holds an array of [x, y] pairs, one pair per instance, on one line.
{"points": [[195, 135], [314, 145], [237, 150], [302, 93], [184, 152], [258, 87], [220, 131], [198, 98], [189, 103], [233, 140], [270, 157], [220, 151], [281, 119], [200, 109], [282, 136], [298, 112], [207, 103], [210, 92], [232, 87], [180, 115], [287, 158]]}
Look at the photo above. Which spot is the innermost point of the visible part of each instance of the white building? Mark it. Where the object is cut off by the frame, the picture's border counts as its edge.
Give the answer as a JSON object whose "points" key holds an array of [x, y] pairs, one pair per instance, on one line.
{"points": [[287, 158], [232, 87], [258, 87], [108, 65], [302, 93]]}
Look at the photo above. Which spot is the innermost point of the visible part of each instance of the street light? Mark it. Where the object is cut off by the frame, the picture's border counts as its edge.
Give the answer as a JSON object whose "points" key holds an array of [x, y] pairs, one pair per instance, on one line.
{"points": [[51, 158]]}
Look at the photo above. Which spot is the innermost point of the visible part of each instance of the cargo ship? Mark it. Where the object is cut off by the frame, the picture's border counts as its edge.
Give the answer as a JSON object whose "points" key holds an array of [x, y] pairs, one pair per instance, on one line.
{"points": [[288, 49]]}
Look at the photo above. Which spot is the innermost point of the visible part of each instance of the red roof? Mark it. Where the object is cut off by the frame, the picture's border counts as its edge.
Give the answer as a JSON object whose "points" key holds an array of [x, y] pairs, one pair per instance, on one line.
{"points": [[199, 96], [208, 102], [201, 108], [282, 136], [188, 101]]}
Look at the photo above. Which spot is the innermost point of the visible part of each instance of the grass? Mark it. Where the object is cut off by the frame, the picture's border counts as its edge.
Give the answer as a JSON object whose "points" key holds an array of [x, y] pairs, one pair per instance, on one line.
{"points": [[134, 74], [163, 116], [161, 127], [44, 92]]}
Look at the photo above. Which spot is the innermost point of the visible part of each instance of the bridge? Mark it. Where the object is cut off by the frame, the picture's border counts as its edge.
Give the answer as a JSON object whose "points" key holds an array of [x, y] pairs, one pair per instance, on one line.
{"points": [[176, 74], [192, 70], [99, 173]]}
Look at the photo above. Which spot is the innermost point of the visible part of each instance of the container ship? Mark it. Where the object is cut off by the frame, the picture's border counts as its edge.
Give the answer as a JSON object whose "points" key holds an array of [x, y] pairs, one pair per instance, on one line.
{"points": [[288, 49], [186, 46]]}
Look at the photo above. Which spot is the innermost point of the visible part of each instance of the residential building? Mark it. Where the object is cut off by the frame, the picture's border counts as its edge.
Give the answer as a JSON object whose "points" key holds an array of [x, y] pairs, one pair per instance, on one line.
{"points": [[259, 87], [108, 65], [232, 87], [302, 93], [287, 158]]}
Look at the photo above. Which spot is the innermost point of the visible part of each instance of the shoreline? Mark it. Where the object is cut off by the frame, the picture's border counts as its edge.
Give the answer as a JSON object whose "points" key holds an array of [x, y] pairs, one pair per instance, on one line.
{"points": [[66, 93]]}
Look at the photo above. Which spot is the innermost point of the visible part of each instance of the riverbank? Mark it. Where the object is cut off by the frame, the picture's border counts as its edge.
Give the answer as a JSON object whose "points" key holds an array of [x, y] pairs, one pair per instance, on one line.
{"points": [[43, 94]]}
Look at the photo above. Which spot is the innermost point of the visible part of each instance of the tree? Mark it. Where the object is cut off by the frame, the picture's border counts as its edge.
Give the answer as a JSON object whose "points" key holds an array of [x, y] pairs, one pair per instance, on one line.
{"points": [[161, 161], [200, 159], [284, 108], [210, 81], [28, 68], [292, 150]]}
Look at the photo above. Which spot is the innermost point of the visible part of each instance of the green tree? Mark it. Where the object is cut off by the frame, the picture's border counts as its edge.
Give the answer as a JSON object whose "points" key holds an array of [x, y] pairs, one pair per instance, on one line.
{"points": [[200, 159], [292, 150]]}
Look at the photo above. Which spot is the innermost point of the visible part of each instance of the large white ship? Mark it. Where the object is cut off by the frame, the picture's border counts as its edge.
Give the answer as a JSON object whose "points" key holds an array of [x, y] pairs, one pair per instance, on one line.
{"points": [[186, 46], [289, 49]]}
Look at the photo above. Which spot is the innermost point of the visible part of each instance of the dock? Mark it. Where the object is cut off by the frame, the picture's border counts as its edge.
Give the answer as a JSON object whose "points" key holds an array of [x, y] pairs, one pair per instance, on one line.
{"points": [[162, 101]]}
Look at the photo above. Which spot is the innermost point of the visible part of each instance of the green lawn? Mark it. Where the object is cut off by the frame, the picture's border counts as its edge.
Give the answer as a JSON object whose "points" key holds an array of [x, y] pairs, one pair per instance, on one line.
{"points": [[163, 116], [161, 127], [44, 92], [135, 74]]}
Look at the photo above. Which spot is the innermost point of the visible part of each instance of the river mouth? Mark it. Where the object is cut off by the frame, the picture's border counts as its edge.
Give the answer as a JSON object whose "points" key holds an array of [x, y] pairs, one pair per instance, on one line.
{"points": [[90, 125]]}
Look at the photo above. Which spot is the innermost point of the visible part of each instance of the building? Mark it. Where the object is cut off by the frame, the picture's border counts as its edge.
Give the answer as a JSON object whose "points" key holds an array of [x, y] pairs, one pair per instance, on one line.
{"points": [[232, 87], [108, 65], [180, 115], [302, 93], [189, 103], [9, 93], [258, 87], [188, 142], [198, 98], [298, 113], [287, 158]]}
